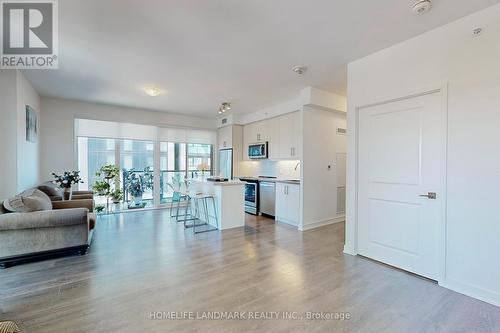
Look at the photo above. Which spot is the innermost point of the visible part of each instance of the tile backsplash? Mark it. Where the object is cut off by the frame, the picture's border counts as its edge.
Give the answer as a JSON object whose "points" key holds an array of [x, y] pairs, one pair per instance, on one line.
{"points": [[280, 169]]}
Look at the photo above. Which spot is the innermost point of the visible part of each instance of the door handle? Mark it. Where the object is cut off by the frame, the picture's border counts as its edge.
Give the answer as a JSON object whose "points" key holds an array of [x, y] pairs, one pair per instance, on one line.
{"points": [[429, 195]]}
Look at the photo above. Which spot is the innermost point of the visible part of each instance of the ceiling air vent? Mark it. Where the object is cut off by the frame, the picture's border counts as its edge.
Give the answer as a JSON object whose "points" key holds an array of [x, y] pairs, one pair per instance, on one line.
{"points": [[341, 131]]}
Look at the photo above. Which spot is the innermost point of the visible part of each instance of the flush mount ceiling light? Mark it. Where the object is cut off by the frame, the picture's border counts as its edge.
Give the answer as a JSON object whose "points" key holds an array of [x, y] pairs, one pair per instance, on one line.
{"points": [[422, 6], [300, 70], [226, 106], [152, 91]]}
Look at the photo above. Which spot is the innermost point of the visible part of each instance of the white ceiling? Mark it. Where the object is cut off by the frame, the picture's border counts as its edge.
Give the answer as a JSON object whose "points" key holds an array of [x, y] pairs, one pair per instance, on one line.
{"points": [[202, 53]]}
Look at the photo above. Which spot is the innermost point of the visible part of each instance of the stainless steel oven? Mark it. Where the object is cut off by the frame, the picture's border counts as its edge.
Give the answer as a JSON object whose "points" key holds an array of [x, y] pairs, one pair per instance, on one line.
{"points": [[251, 195]]}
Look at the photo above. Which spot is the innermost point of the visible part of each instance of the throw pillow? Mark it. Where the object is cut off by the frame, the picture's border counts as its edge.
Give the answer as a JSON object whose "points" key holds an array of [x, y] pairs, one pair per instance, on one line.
{"points": [[28, 201], [50, 189]]}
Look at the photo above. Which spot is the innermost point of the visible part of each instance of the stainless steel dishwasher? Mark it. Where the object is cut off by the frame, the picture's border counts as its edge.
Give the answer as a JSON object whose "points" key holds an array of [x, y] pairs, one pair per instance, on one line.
{"points": [[267, 199]]}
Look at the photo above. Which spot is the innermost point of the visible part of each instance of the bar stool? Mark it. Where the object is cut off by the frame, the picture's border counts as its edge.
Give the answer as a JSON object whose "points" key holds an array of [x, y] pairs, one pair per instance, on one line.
{"points": [[178, 196], [196, 199]]}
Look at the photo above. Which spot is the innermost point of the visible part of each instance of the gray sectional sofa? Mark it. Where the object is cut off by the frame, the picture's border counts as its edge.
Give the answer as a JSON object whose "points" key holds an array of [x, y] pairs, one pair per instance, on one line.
{"points": [[65, 229]]}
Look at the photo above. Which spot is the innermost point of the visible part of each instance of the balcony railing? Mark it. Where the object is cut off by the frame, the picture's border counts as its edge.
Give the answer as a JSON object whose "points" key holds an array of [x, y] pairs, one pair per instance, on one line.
{"points": [[166, 176]]}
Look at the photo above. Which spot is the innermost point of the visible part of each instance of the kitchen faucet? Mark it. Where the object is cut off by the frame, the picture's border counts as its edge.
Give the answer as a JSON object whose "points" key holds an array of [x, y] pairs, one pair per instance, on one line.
{"points": [[296, 166]]}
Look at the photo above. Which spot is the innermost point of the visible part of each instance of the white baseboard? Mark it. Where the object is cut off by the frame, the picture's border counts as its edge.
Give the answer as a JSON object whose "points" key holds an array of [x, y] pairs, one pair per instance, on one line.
{"points": [[484, 295], [322, 223]]}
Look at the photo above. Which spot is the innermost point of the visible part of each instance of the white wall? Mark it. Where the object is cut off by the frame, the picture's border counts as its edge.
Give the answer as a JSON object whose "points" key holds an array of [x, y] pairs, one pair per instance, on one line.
{"points": [[308, 96], [19, 167], [321, 144], [27, 152], [471, 67], [57, 130], [8, 133]]}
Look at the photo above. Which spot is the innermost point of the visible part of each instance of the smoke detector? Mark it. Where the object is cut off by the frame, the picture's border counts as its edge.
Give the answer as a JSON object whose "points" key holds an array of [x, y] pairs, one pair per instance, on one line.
{"points": [[421, 7], [299, 69]]}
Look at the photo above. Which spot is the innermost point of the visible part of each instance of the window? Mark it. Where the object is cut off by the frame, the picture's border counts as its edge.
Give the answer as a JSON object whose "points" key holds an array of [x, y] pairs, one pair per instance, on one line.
{"points": [[136, 158], [137, 165], [92, 155], [199, 159]]}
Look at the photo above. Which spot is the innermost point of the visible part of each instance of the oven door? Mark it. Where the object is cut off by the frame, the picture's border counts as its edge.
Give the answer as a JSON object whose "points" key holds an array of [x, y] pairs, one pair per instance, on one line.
{"points": [[251, 198], [257, 151]]}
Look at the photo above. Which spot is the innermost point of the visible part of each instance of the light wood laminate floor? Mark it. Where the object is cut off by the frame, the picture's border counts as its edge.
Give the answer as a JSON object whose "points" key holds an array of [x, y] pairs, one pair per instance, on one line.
{"points": [[142, 262]]}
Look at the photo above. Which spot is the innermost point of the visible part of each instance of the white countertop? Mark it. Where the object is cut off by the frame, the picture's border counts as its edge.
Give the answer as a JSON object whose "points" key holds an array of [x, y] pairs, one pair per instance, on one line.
{"points": [[275, 180]]}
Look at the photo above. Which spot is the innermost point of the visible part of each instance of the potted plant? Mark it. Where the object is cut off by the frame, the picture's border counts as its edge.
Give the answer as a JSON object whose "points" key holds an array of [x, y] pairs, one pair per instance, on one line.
{"points": [[135, 188], [99, 208], [109, 171], [107, 186], [66, 181], [203, 167], [116, 196]]}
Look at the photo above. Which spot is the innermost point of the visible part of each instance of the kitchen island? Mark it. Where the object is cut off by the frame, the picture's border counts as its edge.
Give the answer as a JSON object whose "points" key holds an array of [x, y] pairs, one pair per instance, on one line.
{"points": [[229, 201]]}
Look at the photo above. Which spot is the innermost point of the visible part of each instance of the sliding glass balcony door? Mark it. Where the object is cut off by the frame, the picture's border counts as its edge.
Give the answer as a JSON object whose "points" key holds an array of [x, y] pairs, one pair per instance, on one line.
{"points": [[147, 168], [172, 167], [137, 176], [199, 160]]}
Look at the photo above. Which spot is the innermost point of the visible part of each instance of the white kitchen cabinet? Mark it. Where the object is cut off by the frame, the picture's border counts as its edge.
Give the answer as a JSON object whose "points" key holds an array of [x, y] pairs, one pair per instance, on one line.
{"points": [[289, 136], [231, 137], [282, 133], [260, 132], [272, 137], [225, 137], [288, 203]]}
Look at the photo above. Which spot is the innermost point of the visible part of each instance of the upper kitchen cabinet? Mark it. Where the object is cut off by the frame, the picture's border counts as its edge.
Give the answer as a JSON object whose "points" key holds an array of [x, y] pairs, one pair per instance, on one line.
{"points": [[225, 137], [260, 132], [231, 137], [281, 133], [289, 136], [256, 132]]}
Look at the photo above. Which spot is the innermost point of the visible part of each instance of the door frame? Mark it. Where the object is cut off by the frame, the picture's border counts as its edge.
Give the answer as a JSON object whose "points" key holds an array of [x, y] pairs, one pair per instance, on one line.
{"points": [[442, 90]]}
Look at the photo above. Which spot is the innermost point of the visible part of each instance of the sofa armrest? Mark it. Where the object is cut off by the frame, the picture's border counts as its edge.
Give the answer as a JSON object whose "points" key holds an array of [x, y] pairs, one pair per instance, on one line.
{"points": [[44, 219], [80, 203]]}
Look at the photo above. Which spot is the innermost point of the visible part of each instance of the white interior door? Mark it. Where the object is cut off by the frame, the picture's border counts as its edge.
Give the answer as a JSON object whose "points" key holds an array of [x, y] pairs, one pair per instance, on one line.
{"points": [[401, 157]]}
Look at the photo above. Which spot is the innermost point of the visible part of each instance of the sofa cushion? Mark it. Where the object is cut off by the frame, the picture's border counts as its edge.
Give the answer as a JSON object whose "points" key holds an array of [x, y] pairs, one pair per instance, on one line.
{"points": [[44, 219], [28, 201]]}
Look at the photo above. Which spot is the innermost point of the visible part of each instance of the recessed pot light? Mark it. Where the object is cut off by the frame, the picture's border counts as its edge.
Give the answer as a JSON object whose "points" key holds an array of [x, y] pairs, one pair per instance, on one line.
{"points": [[152, 91], [422, 6], [299, 69]]}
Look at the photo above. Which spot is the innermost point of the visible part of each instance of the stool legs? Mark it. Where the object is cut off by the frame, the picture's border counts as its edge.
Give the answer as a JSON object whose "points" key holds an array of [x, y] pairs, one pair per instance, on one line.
{"points": [[207, 215]]}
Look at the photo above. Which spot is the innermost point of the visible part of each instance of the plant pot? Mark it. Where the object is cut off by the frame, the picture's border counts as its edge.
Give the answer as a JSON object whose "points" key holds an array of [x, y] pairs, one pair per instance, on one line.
{"points": [[67, 193], [137, 200]]}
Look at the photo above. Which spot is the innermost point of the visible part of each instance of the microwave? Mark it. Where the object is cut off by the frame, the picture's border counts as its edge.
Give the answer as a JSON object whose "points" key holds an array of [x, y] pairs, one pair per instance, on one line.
{"points": [[257, 151]]}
